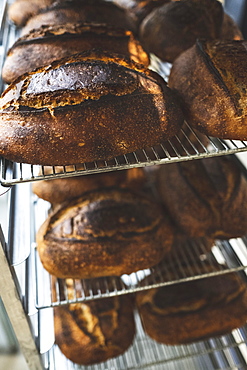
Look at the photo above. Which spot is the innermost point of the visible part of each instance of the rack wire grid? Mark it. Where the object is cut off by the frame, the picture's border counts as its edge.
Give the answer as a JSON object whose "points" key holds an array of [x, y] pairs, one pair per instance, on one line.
{"points": [[226, 352]]}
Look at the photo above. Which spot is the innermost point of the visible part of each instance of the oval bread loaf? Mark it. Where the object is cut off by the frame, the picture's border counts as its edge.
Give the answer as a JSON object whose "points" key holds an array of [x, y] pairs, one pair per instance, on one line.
{"points": [[194, 310], [92, 332], [174, 27], [88, 11], [87, 107], [104, 233], [211, 81], [206, 197], [49, 43]]}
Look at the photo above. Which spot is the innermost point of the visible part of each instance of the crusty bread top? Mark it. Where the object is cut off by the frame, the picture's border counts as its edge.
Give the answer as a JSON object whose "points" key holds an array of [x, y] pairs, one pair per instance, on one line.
{"points": [[108, 213], [227, 60], [95, 11], [72, 80], [45, 32]]}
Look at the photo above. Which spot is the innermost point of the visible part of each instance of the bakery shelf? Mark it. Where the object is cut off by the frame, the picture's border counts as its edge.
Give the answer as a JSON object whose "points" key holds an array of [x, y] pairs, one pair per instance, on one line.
{"points": [[226, 352], [179, 148], [169, 272]]}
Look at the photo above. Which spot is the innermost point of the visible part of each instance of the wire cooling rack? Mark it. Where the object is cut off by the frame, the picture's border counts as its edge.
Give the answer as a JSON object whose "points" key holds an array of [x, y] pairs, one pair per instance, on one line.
{"points": [[226, 352]]}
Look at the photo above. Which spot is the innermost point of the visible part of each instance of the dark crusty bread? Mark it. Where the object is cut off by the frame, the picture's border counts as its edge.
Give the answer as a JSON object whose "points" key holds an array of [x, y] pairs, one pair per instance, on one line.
{"points": [[174, 27], [105, 232], [21, 10], [230, 30], [62, 189], [87, 107], [92, 332], [49, 43], [195, 310], [211, 81], [89, 11], [206, 197]]}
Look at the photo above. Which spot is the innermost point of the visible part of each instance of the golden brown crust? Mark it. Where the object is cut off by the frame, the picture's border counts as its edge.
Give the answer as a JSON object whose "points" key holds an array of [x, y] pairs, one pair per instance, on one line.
{"points": [[194, 310], [49, 43], [87, 107], [60, 190], [95, 331], [206, 197], [88, 11], [106, 232], [214, 98], [172, 28]]}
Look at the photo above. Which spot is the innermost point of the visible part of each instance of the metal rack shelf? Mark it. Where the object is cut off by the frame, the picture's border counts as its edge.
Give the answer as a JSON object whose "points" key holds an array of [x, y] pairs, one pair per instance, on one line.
{"points": [[170, 271], [179, 148], [226, 352]]}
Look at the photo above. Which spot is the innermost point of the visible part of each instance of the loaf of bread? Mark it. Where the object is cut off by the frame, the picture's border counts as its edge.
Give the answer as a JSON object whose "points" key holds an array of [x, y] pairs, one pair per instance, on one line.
{"points": [[211, 81], [206, 197], [194, 310], [88, 11], [92, 332], [104, 233], [49, 43], [21, 10], [90, 106], [174, 27], [59, 190]]}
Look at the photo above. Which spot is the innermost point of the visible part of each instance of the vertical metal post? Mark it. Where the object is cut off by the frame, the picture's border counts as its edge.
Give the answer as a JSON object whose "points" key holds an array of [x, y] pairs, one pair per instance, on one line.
{"points": [[16, 313]]}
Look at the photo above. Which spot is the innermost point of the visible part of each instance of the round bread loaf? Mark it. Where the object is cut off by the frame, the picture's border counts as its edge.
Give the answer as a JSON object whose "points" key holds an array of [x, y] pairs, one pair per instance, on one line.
{"points": [[49, 43], [88, 11], [194, 310], [211, 81], [104, 233], [206, 197], [92, 332], [174, 27], [87, 107], [62, 189]]}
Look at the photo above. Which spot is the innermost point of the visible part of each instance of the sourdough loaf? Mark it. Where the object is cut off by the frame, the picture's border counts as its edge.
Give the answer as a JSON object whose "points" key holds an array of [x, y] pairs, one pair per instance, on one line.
{"points": [[20, 11], [211, 81], [104, 233], [86, 107], [207, 197], [194, 310], [92, 332], [89, 11], [49, 43], [174, 27]]}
